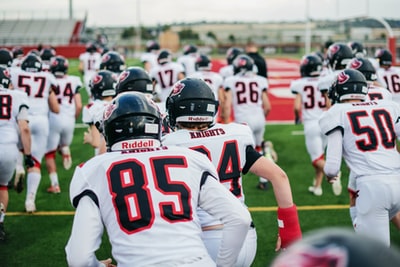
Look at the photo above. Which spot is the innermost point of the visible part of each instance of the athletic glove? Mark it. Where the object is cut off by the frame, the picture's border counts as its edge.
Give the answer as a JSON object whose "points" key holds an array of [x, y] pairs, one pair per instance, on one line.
{"points": [[29, 162], [289, 226]]}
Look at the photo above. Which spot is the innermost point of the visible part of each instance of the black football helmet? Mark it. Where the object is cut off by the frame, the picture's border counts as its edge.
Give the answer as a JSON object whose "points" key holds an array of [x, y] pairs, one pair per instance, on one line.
{"points": [[152, 45], [134, 79], [337, 247], [17, 51], [47, 53], [203, 62], [349, 84], [164, 57], [384, 57], [112, 61], [91, 47], [339, 55], [31, 63], [232, 53], [131, 115], [243, 63], [103, 84], [6, 57], [191, 100], [364, 66], [310, 66], [189, 49], [357, 49], [5, 78], [59, 65]]}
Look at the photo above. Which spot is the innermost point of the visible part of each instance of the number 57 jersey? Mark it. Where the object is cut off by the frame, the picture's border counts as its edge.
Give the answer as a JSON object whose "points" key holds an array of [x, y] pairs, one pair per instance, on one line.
{"points": [[370, 131]]}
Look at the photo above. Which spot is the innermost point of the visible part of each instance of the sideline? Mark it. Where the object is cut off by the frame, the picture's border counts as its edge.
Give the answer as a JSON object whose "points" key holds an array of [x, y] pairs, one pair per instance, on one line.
{"points": [[252, 209]]}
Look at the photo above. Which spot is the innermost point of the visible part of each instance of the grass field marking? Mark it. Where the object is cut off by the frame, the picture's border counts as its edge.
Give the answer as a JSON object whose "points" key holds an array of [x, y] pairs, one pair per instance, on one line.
{"points": [[297, 132], [252, 209]]}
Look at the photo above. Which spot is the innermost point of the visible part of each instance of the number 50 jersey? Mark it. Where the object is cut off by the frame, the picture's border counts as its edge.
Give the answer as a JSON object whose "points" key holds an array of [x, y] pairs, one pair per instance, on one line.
{"points": [[370, 131]]}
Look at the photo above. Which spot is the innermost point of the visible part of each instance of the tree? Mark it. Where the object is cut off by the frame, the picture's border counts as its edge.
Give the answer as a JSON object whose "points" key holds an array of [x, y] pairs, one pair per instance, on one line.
{"points": [[128, 33]]}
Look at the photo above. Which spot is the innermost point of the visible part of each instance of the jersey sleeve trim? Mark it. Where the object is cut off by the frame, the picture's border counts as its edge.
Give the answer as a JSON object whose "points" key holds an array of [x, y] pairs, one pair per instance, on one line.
{"points": [[88, 193]]}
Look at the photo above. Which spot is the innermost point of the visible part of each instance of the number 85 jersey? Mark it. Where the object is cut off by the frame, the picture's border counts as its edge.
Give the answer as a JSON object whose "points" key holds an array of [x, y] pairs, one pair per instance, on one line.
{"points": [[370, 131]]}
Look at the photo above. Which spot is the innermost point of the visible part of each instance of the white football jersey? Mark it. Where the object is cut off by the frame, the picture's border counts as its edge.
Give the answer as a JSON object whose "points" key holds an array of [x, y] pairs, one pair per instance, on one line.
{"points": [[226, 71], [369, 135], [166, 76], [91, 62], [213, 79], [247, 92], [37, 85], [188, 62], [93, 112], [147, 200], [68, 86], [313, 102], [11, 102], [391, 78], [225, 145], [150, 58], [377, 93]]}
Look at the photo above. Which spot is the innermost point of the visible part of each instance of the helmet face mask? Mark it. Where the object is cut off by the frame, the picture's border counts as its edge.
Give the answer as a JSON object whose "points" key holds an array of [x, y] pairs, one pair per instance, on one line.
{"points": [[103, 84], [191, 101], [131, 115]]}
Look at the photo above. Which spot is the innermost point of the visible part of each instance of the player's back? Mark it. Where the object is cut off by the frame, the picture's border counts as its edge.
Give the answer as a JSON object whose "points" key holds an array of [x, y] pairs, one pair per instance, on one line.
{"points": [[378, 92], [37, 85], [166, 76], [188, 62], [369, 135], [11, 102], [147, 201], [247, 92], [313, 102], [211, 78], [391, 77], [68, 86], [91, 61], [224, 144]]}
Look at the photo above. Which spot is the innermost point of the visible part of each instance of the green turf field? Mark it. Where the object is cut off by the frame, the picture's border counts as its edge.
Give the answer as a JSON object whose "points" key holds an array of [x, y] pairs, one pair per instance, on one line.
{"points": [[39, 239]]}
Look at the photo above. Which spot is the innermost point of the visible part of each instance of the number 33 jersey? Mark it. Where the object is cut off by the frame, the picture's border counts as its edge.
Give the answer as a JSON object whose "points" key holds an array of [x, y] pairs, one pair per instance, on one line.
{"points": [[370, 131]]}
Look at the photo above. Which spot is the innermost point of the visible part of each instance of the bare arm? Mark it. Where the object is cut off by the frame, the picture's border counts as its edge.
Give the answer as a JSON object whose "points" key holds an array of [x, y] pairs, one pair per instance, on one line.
{"points": [[25, 136], [53, 103], [226, 107], [78, 105], [266, 103]]}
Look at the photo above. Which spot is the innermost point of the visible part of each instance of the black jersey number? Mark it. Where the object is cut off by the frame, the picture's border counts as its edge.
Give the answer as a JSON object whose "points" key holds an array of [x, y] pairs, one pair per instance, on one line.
{"points": [[382, 130], [311, 95], [228, 165], [132, 197]]}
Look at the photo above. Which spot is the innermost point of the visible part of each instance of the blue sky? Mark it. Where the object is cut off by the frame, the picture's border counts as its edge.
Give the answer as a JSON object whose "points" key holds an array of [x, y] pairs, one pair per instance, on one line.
{"points": [[152, 12]]}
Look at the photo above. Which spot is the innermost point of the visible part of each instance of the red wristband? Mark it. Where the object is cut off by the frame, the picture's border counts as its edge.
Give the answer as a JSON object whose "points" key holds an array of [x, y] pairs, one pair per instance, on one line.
{"points": [[289, 226]]}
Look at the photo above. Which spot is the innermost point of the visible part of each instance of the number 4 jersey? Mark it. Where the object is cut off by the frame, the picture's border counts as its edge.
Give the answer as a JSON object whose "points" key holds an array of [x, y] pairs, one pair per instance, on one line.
{"points": [[369, 135]]}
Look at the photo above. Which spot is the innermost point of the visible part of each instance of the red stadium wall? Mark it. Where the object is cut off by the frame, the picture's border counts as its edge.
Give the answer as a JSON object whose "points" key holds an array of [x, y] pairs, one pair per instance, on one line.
{"points": [[68, 51]]}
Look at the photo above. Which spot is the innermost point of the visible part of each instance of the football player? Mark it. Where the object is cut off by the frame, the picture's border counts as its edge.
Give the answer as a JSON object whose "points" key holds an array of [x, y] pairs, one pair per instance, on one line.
{"points": [[102, 88], [246, 97], [14, 122], [149, 58], [146, 196], [309, 104], [231, 54], [41, 89], [113, 61], [188, 59], [62, 125], [191, 108], [46, 54], [388, 73], [165, 74], [364, 134], [89, 64]]}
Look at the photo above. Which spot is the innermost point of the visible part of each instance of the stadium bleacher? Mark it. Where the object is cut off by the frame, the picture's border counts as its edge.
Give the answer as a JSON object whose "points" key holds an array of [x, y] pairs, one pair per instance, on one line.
{"points": [[33, 31]]}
